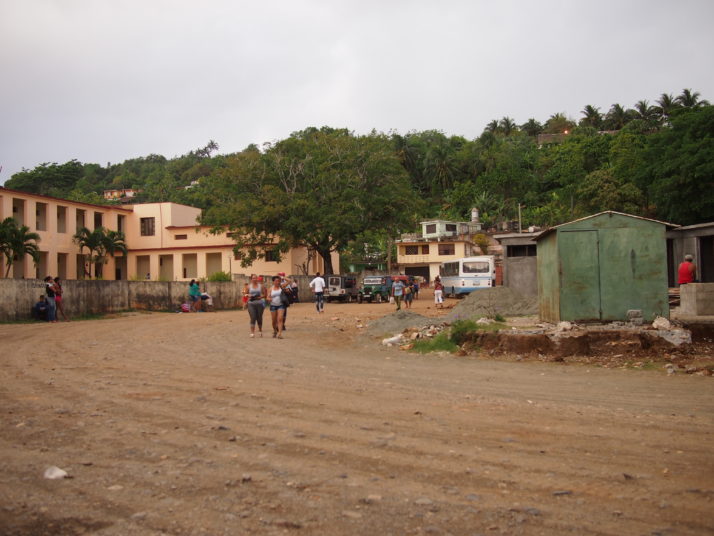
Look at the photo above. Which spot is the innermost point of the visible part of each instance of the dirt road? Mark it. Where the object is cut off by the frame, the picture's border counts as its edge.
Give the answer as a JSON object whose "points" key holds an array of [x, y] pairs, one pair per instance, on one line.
{"points": [[180, 424]]}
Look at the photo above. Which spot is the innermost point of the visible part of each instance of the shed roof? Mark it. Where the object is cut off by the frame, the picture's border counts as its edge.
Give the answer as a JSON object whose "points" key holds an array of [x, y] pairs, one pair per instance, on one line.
{"points": [[610, 212]]}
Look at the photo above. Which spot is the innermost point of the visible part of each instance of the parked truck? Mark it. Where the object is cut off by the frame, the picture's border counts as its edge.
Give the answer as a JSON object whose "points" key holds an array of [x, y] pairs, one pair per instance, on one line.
{"points": [[341, 288]]}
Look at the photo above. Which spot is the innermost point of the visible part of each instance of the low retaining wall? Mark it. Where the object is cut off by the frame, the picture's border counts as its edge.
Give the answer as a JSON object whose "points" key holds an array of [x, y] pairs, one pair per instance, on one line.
{"points": [[697, 299], [17, 296]]}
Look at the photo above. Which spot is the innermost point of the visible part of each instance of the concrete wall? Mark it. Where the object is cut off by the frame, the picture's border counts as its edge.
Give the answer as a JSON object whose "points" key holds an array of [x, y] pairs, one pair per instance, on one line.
{"points": [[97, 297], [521, 274], [697, 299]]}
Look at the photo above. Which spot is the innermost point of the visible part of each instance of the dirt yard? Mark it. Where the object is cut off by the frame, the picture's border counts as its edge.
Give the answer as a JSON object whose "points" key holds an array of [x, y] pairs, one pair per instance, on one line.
{"points": [[180, 424]]}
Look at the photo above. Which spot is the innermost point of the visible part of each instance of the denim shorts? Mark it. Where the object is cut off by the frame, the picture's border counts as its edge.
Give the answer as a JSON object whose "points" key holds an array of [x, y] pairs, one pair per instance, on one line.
{"points": [[277, 307]]}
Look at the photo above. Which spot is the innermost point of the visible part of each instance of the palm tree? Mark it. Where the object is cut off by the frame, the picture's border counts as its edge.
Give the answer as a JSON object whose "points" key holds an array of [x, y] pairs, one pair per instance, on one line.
{"points": [[666, 105], [532, 127], [617, 117], [645, 112], [16, 241], [492, 127], [93, 242], [559, 124], [507, 126], [591, 117], [690, 99]]}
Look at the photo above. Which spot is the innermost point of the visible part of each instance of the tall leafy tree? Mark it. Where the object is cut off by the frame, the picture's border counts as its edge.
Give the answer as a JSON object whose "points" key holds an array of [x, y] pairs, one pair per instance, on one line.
{"points": [[666, 104], [617, 117], [320, 188], [681, 167]]}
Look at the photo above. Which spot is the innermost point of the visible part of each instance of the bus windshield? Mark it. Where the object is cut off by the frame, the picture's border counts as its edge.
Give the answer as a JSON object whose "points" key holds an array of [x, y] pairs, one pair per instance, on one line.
{"points": [[476, 267]]}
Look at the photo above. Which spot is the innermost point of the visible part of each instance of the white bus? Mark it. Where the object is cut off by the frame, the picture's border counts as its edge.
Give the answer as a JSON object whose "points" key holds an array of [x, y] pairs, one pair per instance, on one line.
{"points": [[468, 274]]}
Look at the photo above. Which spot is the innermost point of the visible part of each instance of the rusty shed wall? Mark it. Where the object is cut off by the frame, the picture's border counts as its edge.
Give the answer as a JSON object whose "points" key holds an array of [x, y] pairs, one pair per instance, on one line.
{"points": [[548, 279]]}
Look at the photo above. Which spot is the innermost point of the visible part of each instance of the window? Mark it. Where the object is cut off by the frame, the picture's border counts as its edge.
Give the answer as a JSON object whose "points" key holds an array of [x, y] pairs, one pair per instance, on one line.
{"points": [[528, 250], [411, 250], [237, 255], [120, 222], [425, 249], [447, 249], [61, 219], [147, 226], [450, 227], [431, 228], [181, 237], [41, 216], [476, 267], [271, 256]]}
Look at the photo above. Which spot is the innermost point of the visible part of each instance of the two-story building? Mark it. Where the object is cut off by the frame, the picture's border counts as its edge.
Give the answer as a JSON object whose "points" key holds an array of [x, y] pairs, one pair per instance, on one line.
{"points": [[164, 241], [421, 254]]}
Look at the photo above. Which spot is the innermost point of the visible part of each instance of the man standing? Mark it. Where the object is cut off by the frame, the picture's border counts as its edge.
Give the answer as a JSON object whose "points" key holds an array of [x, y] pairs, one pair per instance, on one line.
{"points": [[687, 271], [398, 292], [318, 287]]}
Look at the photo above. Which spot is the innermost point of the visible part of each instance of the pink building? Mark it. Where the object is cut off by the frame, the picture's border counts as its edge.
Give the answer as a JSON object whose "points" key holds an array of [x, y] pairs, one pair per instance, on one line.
{"points": [[164, 241]]}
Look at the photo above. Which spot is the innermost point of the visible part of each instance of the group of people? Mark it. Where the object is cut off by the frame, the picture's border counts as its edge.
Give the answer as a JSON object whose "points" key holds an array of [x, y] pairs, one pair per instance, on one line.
{"points": [[50, 304], [405, 291], [278, 297]]}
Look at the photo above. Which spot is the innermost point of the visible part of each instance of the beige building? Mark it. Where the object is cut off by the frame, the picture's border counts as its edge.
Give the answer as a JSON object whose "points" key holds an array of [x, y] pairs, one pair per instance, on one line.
{"points": [[439, 241], [164, 241]]}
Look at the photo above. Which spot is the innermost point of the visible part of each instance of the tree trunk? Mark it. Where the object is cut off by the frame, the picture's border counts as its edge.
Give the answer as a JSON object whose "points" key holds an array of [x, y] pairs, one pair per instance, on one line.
{"points": [[327, 259]]}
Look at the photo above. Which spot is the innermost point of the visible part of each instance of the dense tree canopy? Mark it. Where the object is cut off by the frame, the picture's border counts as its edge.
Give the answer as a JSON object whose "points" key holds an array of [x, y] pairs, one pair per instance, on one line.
{"points": [[329, 188]]}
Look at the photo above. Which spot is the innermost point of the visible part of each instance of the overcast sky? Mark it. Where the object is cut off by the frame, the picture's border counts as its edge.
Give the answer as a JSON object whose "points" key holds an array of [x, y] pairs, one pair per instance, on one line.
{"points": [[107, 80]]}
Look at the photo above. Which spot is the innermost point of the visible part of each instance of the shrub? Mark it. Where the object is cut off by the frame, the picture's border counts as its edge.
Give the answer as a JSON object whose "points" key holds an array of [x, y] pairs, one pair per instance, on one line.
{"points": [[220, 276]]}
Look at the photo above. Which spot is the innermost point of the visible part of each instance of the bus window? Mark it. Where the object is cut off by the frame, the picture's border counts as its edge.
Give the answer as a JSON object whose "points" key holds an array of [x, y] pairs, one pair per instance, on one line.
{"points": [[476, 267]]}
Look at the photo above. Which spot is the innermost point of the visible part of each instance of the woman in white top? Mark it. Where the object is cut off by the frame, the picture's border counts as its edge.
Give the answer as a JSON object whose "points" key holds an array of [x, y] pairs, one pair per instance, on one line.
{"points": [[277, 307]]}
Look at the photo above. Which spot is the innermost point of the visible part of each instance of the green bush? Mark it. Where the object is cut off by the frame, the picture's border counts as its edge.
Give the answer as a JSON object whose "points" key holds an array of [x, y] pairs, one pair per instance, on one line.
{"points": [[498, 317], [220, 276]]}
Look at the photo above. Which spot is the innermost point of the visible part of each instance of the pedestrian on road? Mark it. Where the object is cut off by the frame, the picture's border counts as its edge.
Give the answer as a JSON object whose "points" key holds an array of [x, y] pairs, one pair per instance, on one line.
{"points": [[438, 293], [277, 307], [194, 295], [285, 284], [398, 292], [318, 287], [255, 293]]}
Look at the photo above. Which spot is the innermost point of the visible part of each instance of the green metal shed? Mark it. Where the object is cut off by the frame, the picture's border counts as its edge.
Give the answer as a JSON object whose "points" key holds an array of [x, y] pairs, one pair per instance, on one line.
{"points": [[597, 268]]}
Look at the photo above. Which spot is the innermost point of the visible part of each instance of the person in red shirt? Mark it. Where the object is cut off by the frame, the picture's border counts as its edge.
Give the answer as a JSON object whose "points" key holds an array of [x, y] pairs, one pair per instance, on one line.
{"points": [[687, 271]]}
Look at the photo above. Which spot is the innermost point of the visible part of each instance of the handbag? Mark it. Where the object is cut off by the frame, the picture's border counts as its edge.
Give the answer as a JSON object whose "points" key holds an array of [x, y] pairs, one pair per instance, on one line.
{"points": [[284, 298]]}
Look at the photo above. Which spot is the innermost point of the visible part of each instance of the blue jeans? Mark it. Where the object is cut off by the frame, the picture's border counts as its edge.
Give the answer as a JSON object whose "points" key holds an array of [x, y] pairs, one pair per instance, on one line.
{"points": [[51, 309], [320, 301]]}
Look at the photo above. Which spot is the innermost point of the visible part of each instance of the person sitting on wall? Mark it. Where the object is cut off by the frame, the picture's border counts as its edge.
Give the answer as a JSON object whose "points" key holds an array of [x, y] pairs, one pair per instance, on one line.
{"points": [[39, 310]]}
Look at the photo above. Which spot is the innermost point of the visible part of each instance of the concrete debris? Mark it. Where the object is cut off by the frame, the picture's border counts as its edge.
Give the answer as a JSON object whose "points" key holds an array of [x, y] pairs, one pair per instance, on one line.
{"points": [[564, 326], [391, 341], [55, 473], [483, 321], [661, 323]]}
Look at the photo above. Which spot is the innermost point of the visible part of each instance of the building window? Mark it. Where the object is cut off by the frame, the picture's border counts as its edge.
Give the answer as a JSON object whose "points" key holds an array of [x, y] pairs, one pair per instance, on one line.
{"points": [[411, 250], [120, 222], [450, 227], [447, 249], [431, 228], [528, 250], [271, 256], [147, 226], [237, 255], [425, 249], [181, 237]]}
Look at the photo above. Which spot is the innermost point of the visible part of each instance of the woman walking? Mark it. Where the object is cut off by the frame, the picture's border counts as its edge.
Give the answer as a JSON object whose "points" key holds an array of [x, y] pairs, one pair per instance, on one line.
{"points": [[438, 292], [277, 307], [58, 300], [255, 293]]}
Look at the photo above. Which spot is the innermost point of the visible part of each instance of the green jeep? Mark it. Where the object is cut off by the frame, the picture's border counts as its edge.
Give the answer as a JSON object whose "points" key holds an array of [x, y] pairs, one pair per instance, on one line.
{"points": [[375, 288]]}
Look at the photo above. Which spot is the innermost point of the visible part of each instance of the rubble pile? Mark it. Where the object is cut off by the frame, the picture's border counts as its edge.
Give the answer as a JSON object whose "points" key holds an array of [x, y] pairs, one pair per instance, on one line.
{"points": [[608, 345], [490, 302]]}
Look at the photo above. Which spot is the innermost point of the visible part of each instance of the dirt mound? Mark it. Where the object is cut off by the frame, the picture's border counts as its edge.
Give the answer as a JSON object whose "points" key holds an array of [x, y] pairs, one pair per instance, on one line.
{"points": [[489, 302], [397, 322]]}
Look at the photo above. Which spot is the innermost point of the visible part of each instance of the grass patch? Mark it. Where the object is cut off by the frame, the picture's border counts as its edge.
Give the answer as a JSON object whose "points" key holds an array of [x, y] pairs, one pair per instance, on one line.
{"points": [[440, 343]]}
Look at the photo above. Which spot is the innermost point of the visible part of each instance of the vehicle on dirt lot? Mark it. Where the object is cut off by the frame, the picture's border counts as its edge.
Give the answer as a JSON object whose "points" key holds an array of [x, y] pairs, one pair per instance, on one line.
{"points": [[375, 288], [341, 287], [466, 275], [378, 288]]}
